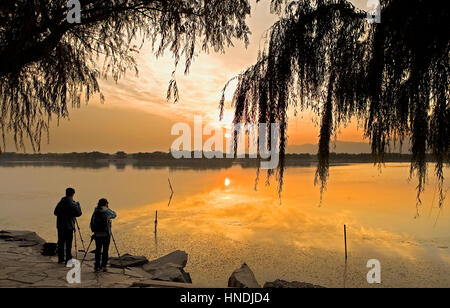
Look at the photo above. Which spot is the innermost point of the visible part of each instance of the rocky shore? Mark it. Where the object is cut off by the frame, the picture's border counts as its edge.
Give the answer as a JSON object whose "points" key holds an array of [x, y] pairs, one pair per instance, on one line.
{"points": [[22, 265]]}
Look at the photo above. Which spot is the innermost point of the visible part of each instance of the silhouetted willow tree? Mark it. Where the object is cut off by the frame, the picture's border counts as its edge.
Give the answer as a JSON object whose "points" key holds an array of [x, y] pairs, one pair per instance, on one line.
{"points": [[392, 77], [47, 63]]}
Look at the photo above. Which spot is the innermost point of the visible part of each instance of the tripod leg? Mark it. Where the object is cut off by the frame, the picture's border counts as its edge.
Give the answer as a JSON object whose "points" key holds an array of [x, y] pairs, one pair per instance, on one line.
{"points": [[81, 236], [118, 253], [86, 252], [76, 249]]}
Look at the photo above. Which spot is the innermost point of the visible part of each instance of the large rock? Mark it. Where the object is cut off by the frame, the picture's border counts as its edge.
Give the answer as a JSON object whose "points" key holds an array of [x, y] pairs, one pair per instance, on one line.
{"points": [[18, 236], [128, 260], [25, 238], [177, 259], [243, 278], [169, 268], [282, 284], [171, 273]]}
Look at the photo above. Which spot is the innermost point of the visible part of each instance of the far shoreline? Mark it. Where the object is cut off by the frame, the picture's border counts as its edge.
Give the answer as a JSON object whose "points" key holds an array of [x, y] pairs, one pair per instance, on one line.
{"points": [[160, 160]]}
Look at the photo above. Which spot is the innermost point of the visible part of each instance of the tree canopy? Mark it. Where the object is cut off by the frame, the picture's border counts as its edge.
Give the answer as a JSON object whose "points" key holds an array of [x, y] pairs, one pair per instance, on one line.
{"points": [[392, 77], [48, 64]]}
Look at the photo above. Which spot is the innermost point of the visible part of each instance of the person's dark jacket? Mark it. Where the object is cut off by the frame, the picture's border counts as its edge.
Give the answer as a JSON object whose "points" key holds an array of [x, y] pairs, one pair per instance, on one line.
{"points": [[66, 211]]}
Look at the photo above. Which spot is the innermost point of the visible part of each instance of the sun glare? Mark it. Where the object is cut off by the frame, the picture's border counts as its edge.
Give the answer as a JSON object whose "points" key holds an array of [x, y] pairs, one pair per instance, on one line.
{"points": [[227, 182]]}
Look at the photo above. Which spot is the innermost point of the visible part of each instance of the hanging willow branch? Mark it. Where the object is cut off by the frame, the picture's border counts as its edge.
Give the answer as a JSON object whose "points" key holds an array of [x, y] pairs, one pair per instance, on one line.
{"points": [[48, 64], [392, 77]]}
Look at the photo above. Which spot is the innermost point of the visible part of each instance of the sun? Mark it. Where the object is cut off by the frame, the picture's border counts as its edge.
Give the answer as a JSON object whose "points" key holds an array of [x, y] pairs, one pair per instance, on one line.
{"points": [[227, 182]]}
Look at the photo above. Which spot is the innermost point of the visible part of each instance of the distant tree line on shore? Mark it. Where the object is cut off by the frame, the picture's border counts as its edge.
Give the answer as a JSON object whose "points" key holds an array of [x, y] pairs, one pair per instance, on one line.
{"points": [[291, 159]]}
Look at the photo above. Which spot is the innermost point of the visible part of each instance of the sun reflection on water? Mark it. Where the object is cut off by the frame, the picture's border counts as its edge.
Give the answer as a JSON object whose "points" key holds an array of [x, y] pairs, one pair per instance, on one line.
{"points": [[240, 224]]}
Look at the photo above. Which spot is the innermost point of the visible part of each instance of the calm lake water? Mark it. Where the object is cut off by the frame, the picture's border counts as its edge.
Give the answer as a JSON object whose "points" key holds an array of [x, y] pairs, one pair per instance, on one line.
{"points": [[218, 218]]}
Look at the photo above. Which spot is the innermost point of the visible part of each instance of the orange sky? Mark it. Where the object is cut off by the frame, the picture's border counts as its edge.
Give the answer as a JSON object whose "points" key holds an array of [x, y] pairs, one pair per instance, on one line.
{"points": [[136, 116]]}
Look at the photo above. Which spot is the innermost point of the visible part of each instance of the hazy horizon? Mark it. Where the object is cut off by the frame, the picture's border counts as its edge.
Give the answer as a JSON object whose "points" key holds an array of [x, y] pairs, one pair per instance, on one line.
{"points": [[339, 147]]}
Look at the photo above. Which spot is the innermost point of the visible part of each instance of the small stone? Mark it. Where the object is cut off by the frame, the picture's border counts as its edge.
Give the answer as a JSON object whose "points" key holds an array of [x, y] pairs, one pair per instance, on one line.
{"points": [[243, 278]]}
